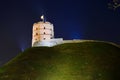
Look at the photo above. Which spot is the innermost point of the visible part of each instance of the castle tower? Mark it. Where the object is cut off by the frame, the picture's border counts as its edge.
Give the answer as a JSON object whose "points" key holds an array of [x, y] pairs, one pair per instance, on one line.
{"points": [[43, 34]]}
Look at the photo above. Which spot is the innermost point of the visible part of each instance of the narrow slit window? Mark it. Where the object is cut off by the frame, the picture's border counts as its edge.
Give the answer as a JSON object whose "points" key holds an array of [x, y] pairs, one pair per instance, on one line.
{"points": [[36, 33]]}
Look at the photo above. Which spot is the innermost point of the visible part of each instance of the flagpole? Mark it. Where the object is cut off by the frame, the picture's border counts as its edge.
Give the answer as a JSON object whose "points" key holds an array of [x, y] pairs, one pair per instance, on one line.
{"points": [[43, 18]]}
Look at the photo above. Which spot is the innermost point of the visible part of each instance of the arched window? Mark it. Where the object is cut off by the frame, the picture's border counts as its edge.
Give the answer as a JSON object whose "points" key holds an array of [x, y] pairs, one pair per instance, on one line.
{"points": [[44, 32], [44, 27], [44, 38]]}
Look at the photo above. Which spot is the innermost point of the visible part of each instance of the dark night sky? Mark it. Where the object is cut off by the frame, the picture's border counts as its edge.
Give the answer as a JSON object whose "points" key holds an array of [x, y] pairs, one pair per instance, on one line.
{"points": [[72, 19]]}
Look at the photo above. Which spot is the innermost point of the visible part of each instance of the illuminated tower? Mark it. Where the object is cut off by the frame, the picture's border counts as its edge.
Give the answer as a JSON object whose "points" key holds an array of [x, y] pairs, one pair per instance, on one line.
{"points": [[43, 34]]}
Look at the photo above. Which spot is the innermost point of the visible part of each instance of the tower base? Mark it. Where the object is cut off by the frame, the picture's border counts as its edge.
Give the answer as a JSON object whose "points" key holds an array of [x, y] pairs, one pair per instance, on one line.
{"points": [[48, 43]]}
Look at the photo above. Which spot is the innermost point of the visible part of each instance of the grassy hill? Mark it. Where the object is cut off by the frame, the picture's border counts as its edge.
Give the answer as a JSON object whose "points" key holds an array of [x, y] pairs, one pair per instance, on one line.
{"points": [[71, 61]]}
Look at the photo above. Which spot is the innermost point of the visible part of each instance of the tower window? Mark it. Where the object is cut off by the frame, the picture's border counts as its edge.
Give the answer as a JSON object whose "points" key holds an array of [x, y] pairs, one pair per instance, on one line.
{"points": [[44, 38], [44, 27], [36, 33], [44, 32]]}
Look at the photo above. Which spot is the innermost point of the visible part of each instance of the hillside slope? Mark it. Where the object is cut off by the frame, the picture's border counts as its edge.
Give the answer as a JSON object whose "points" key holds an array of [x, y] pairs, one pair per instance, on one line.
{"points": [[72, 61]]}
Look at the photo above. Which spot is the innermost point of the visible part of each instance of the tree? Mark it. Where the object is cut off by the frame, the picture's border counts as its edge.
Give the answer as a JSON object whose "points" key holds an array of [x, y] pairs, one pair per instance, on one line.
{"points": [[114, 4]]}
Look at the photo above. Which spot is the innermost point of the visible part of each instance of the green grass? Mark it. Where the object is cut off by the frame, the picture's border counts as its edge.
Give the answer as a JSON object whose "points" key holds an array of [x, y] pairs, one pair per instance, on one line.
{"points": [[71, 61]]}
